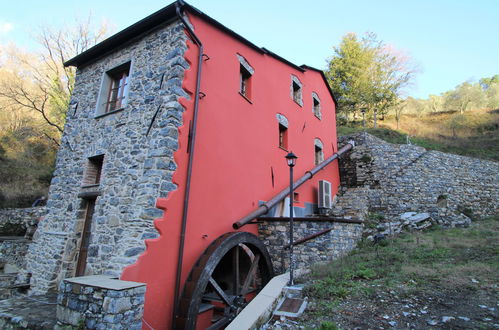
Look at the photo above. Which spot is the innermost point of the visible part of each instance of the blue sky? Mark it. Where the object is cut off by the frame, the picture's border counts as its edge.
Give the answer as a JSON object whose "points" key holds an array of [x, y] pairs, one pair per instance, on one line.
{"points": [[450, 41]]}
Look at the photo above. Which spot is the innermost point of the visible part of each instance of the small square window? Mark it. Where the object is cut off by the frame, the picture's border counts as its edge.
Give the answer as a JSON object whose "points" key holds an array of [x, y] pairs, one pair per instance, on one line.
{"points": [[283, 137], [93, 171], [114, 91], [245, 87]]}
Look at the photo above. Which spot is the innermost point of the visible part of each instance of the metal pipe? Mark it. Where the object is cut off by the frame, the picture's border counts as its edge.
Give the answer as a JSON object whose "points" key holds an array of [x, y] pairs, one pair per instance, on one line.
{"points": [[279, 197], [308, 238], [322, 218], [190, 163]]}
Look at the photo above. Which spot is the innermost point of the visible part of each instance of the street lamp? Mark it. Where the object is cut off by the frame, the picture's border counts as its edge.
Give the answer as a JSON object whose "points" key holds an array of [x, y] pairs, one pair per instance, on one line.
{"points": [[291, 159]]}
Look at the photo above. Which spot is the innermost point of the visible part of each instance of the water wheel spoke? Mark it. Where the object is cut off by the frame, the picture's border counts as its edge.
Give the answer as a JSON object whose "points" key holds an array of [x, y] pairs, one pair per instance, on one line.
{"points": [[218, 285], [251, 275], [235, 263], [220, 292], [219, 323]]}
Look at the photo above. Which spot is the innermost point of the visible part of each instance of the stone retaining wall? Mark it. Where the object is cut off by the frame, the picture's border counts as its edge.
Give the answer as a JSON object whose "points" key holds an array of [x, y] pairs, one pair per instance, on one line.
{"points": [[98, 302], [340, 240], [396, 179], [13, 253], [15, 222]]}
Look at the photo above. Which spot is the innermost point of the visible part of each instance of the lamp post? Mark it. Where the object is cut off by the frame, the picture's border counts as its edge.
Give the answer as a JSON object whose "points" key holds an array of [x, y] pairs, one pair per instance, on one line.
{"points": [[291, 159]]}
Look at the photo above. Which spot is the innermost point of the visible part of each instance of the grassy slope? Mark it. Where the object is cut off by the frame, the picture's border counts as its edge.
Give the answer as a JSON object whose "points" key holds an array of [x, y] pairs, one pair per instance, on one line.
{"points": [[450, 261], [474, 134]]}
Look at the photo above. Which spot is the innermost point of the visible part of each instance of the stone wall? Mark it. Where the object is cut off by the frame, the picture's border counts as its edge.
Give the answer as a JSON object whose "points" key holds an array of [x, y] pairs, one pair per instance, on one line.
{"points": [[16, 222], [98, 302], [12, 254], [137, 142], [340, 240], [395, 179], [16, 229]]}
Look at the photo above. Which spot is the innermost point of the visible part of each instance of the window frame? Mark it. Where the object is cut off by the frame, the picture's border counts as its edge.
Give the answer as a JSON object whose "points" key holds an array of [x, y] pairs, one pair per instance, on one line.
{"points": [[115, 79], [246, 73], [283, 125], [318, 151], [296, 90], [316, 109]]}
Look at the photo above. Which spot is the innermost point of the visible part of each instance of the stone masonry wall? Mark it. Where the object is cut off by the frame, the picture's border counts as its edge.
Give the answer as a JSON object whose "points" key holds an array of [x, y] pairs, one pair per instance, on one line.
{"points": [[15, 222], [340, 240], [138, 162], [396, 179], [16, 229], [96, 302]]}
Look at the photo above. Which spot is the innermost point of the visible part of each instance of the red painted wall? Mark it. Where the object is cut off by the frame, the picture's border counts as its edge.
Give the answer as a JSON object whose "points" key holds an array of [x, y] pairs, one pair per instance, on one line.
{"points": [[236, 146]]}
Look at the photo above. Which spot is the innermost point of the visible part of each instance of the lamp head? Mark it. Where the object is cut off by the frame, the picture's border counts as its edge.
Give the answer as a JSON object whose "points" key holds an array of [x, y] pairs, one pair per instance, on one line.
{"points": [[291, 158]]}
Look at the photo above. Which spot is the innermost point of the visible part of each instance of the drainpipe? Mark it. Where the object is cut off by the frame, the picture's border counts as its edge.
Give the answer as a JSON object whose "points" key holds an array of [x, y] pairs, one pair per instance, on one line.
{"points": [[179, 4]]}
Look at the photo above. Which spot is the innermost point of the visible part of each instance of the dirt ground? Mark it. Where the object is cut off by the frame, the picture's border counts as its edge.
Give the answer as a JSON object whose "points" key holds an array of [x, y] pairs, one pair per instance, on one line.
{"points": [[403, 308]]}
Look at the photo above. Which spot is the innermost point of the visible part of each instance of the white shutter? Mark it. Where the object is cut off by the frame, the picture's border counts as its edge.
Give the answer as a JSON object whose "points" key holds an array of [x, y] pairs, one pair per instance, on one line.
{"points": [[325, 198]]}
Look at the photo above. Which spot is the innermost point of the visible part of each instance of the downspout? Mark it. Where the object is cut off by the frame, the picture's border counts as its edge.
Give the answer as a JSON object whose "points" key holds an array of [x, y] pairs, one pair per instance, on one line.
{"points": [[179, 4]]}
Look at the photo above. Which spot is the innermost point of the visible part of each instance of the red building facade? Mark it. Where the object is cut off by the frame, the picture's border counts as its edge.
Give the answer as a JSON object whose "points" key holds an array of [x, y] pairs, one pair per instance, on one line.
{"points": [[243, 108]]}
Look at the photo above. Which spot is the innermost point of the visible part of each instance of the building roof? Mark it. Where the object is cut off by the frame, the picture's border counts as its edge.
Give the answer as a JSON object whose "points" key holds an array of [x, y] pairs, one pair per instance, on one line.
{"points": [[165, 16]]}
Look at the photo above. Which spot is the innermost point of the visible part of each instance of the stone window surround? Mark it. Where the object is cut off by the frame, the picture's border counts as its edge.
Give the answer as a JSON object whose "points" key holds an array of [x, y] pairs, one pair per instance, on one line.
{"points": [[245, 68], [316, 109], [296, 93], [318, 151], [106, 81], [283, 128]]}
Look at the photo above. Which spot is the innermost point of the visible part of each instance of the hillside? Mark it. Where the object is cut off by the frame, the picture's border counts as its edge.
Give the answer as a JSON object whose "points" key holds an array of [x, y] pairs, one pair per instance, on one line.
{"points": [[442, 278], [473, 133]]}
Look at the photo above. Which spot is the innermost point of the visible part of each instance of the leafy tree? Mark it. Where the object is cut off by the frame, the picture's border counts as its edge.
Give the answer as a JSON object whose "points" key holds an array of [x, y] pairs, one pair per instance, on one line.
{"points": [[464, 97], [367, 74], [485, 83]]}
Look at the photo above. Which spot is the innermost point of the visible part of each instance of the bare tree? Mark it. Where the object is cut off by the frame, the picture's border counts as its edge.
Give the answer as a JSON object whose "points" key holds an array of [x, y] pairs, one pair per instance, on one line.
{"points": [[39, 81]]}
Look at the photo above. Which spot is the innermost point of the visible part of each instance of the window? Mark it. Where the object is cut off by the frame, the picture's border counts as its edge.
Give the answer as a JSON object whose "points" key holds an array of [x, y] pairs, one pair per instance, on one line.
{"points": [[316, 108], [296, 93], [245, 88], [283, 131], [114, 90], [283, 137], [319, 154], [93, 171], [245, 73]]}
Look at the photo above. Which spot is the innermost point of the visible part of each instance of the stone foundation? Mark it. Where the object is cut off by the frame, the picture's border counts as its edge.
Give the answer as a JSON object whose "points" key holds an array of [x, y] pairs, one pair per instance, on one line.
{"points": [[98, 302], [342, 238]]}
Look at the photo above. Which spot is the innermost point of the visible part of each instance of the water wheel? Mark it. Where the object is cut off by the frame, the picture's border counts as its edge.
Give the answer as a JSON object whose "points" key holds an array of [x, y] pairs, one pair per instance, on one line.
{"points": [[230, 272]]}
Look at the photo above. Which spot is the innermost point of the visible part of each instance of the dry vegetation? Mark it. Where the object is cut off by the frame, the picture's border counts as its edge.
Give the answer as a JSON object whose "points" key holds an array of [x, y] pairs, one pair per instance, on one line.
{"points": [[474, 133], [420, 277]]}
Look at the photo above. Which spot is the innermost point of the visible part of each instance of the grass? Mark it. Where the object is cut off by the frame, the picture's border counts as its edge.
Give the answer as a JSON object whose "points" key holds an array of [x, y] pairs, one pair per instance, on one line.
{"points": [[435, 259], [475, 133]]}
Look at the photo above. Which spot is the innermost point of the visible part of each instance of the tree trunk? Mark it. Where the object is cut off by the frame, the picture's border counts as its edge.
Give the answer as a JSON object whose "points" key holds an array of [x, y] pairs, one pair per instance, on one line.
{"points": [[374, 119]]}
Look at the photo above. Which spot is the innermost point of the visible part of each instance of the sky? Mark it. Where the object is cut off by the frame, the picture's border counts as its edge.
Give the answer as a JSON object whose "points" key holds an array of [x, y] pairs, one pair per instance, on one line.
{"points": [[450, 41]]}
